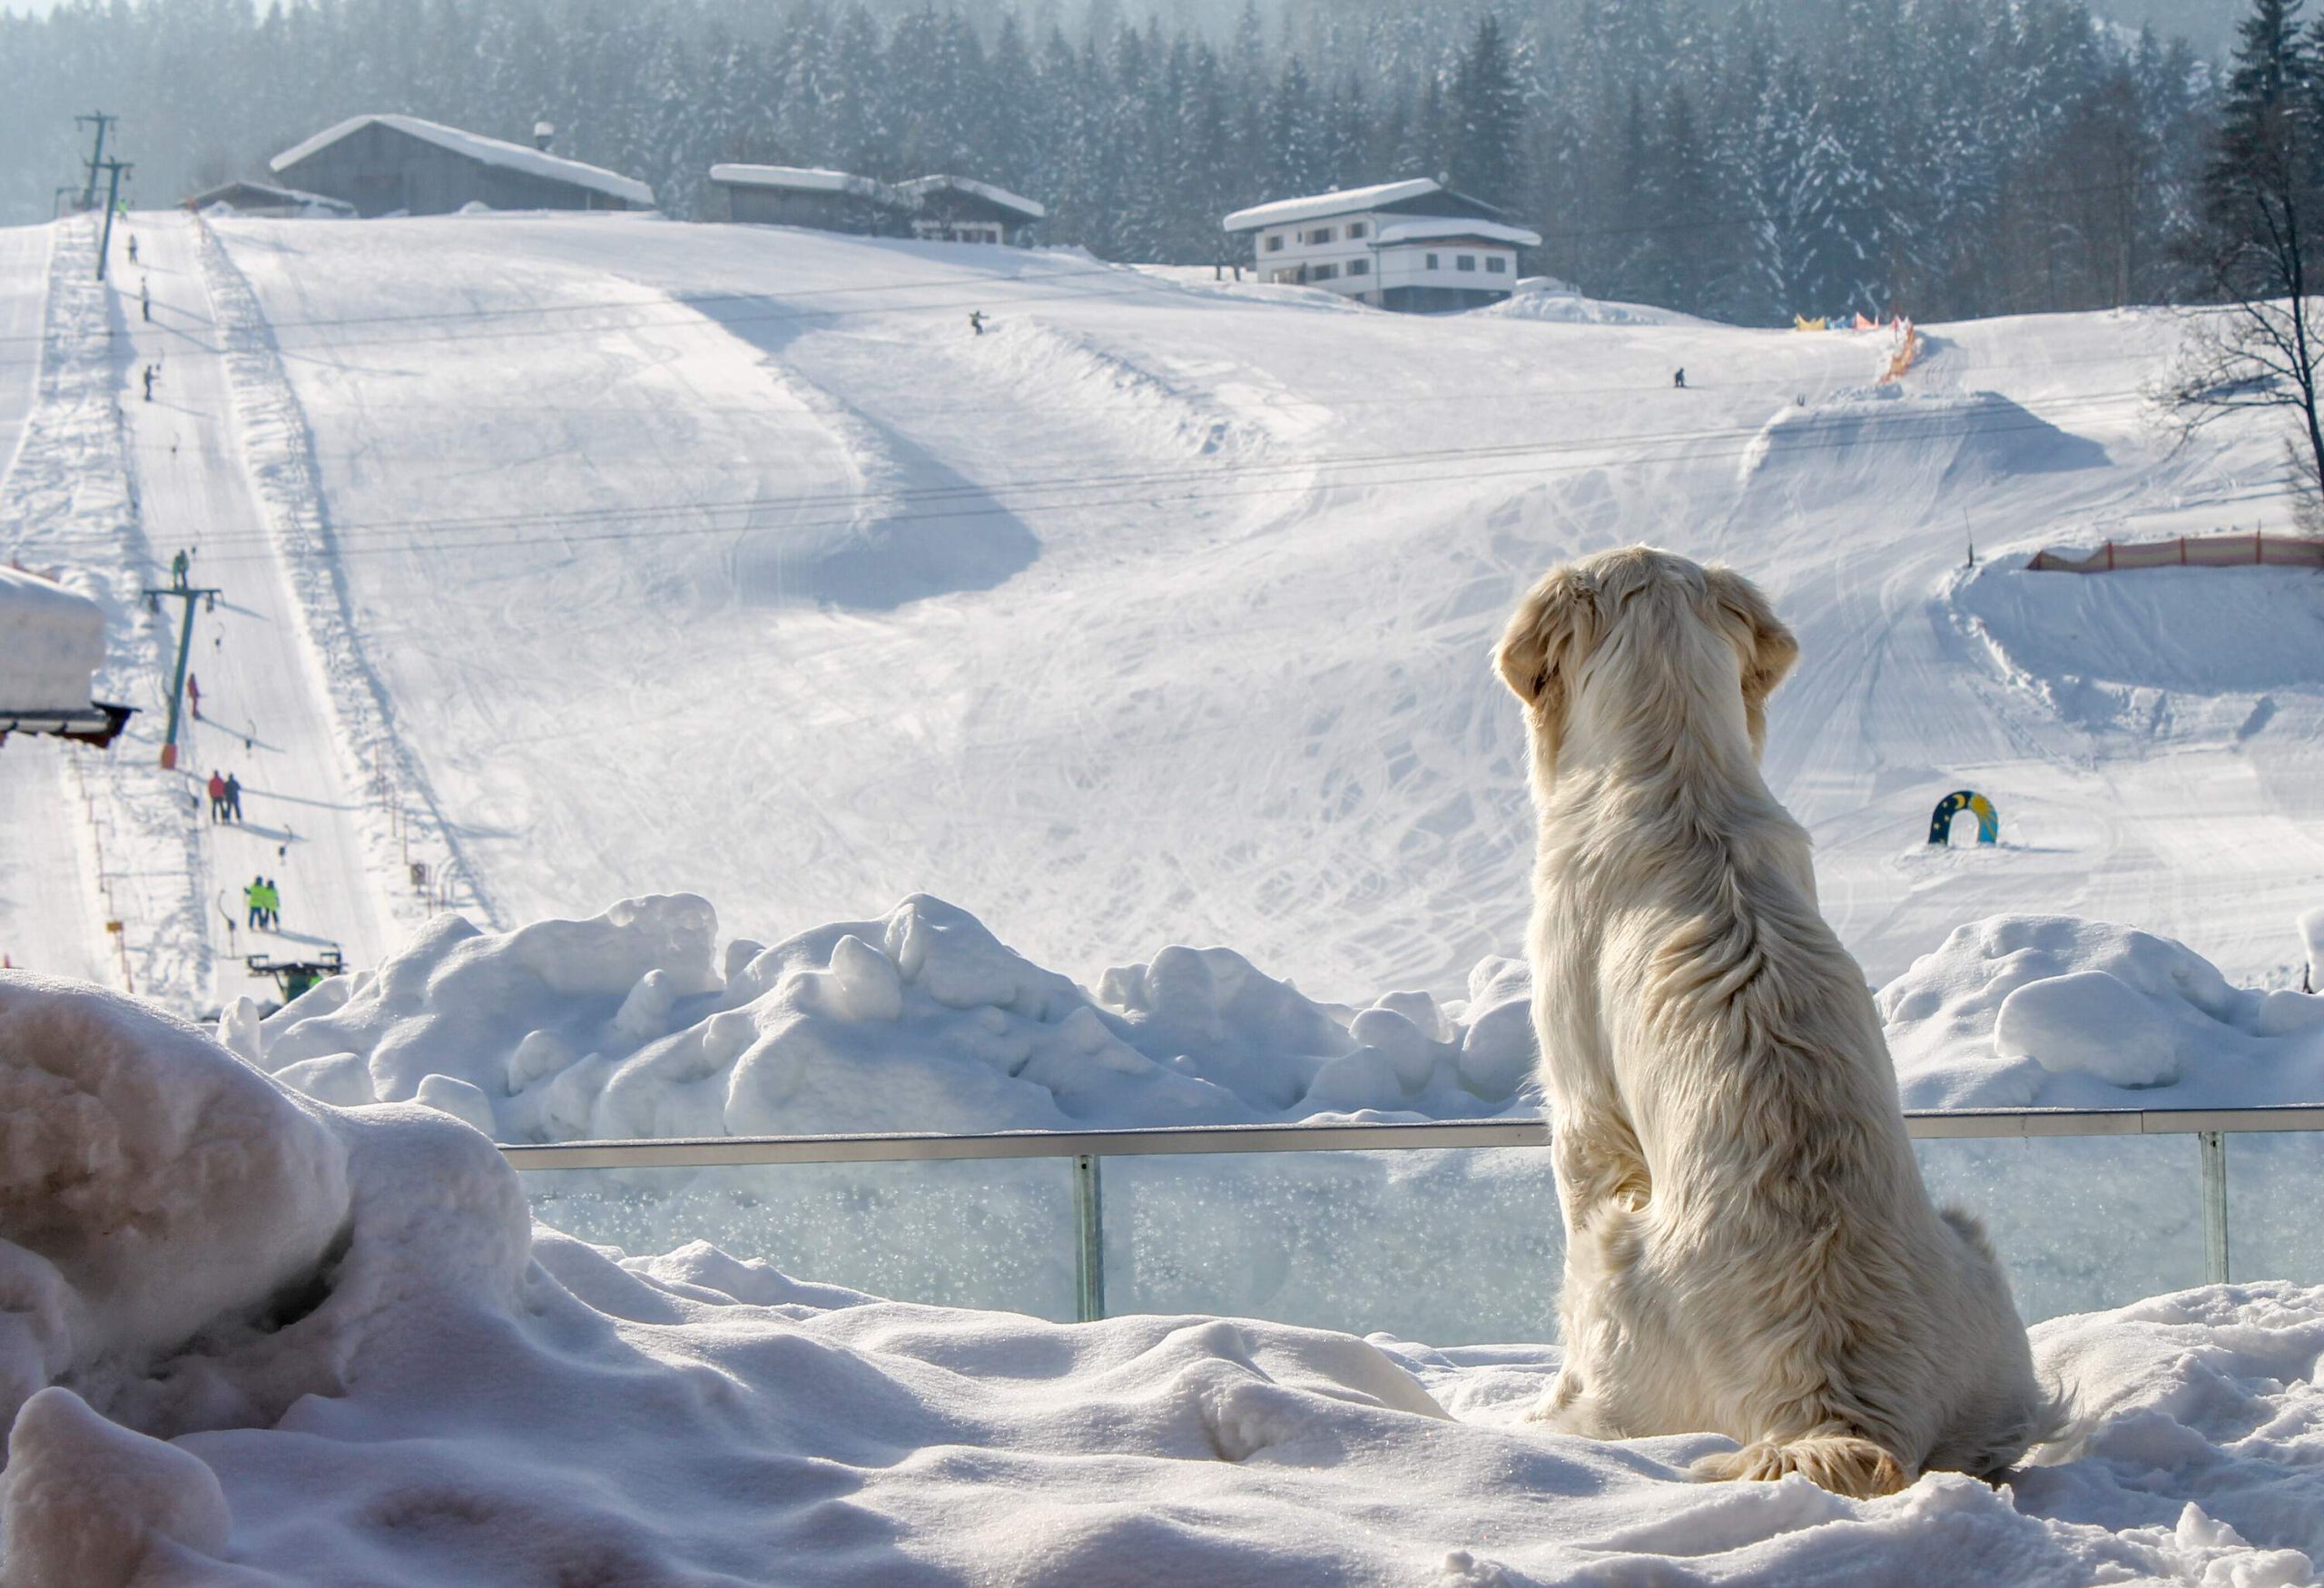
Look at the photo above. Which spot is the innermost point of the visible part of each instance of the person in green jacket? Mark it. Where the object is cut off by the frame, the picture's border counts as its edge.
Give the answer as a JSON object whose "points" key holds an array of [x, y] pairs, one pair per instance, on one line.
{"points": [[273, 906], [255, 897]]}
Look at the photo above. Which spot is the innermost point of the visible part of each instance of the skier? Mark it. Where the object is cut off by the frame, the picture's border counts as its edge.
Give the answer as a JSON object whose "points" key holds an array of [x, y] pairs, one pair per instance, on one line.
{"points": [[273, 906], [180, 565], [132, 250], [145, 303], [976, 322], [1680, 379], [149, 382], [233, 798], [217, 796], [194, 695], [255, 897]]}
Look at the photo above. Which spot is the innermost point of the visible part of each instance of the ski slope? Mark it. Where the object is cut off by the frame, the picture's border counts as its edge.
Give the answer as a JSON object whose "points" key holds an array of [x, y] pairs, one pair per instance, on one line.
{"points": [[729, 559], [584, 557]]}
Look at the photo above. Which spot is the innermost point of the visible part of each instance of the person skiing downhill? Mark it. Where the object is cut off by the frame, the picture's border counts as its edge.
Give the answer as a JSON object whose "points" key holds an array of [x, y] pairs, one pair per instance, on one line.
{"points": [[217, 796], [1679, 379]]}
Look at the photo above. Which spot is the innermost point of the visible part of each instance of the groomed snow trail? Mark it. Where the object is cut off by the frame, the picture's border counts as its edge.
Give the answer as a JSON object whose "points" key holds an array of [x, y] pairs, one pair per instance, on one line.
{"points": [[263, 714], [48, 921]]}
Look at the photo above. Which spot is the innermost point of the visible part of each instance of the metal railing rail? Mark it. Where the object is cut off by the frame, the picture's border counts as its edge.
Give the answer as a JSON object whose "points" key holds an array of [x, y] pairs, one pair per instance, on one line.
{"points": [[1089, 1149]]}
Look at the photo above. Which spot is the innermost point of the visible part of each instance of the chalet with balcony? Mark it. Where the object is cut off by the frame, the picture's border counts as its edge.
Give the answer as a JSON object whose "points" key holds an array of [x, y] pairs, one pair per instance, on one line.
{"points": [[1415, 245]]}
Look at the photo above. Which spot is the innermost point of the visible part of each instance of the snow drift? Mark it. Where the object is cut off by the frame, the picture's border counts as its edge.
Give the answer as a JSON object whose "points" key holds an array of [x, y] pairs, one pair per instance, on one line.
{"points": [[637, 1022], [374, 1369]]}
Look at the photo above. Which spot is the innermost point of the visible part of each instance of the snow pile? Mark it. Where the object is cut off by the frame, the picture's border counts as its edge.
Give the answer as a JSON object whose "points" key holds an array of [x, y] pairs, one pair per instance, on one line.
{"points": [[267, 1337], [2049, 1011], [56, 640], [637, 1023]]}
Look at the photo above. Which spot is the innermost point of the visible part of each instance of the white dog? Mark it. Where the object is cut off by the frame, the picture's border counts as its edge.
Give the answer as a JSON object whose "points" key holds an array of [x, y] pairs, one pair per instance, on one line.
{"points": [[1750, 1250]]}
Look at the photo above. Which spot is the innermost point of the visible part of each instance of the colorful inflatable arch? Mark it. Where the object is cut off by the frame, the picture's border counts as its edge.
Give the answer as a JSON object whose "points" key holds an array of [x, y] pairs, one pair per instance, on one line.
{"points": [[1940, 824]]}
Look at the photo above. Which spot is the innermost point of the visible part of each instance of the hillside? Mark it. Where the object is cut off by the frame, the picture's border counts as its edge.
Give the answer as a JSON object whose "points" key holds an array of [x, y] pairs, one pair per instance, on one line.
{"points": [[654, 556]]}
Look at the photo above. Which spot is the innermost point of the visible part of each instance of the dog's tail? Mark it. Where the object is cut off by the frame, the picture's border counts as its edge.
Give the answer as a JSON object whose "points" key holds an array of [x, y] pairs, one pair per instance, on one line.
{"points": [[1846, 1463]]}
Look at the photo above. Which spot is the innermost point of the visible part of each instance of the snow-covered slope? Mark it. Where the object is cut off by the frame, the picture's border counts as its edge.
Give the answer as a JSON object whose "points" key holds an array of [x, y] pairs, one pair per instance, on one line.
{"points": [[729, 559], [263, 1340]]}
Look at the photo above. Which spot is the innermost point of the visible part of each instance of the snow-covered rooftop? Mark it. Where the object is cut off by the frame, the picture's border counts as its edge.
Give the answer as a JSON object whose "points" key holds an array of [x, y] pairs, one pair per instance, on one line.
{"points": [[1316, 206], [56, 639], [1427, 227], [477, 146], [920, 186], [223, 194], [805, 179]]}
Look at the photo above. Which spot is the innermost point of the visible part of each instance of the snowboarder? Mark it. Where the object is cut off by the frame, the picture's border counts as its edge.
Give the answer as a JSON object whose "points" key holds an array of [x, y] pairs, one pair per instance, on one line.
{"points": [[976, 322], [1678, 379], [233, 798], [255, 897], [150, 372], [194, 695], [217, 796]]}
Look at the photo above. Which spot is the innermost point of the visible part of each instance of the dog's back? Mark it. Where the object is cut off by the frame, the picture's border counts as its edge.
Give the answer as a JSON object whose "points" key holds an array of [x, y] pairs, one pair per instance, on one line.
{"points": [[1769, 1267]]}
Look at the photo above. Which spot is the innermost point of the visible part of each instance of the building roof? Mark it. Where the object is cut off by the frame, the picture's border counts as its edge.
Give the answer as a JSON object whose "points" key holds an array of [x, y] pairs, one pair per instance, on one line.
{"points": [[804, 178], [920, 186], [225, 191], [487, 150], [1317, 206], [1421, 228], [56, 639]]}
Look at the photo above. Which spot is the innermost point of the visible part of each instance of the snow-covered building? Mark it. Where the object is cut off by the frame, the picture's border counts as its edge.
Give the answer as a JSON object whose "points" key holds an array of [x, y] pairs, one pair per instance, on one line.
{"points": [[958, 209], [807, 195], [1414, 245], [934, 209], [396, 164], [245, 197], [56, 642]]}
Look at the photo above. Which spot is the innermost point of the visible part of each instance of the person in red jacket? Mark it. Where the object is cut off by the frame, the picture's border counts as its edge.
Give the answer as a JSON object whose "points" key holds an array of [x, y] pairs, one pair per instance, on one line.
{"points": [[217, 796]]}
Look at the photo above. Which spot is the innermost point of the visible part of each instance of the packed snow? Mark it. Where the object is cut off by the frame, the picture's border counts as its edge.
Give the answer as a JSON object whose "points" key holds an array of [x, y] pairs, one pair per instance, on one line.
{"points": [[369, 1364]]}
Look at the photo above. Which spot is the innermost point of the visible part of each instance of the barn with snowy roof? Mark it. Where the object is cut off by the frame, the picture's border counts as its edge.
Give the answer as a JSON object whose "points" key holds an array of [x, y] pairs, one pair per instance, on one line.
{"points": [[807, 195], [396, 164], [958, 209], [1414, 245]]}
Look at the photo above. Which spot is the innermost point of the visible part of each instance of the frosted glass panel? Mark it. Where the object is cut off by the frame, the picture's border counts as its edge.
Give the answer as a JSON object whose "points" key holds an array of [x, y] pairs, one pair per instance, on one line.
{"points": [[1456, 1247], [993, 1234]]}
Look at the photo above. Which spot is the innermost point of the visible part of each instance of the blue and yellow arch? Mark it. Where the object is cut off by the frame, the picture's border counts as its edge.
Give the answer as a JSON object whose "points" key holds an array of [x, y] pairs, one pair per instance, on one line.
{"points": [[1940, 824]]}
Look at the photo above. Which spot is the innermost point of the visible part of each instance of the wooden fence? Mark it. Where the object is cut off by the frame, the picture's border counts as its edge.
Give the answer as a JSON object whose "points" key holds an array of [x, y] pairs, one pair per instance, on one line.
{"points": [[2203, 551]]}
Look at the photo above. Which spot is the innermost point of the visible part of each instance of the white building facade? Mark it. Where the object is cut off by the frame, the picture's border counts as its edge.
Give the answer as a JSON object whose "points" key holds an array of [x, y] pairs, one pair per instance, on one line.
{"points": [[1413, 246]]}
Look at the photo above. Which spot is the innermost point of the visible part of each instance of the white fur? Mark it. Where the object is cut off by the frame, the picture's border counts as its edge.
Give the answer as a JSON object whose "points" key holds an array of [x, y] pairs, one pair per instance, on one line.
{"points": [[1749, 1248]]}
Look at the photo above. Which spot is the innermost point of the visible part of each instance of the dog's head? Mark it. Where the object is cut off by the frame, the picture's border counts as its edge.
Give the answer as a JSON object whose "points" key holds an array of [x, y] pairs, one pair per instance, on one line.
{"points": [[1579, 610]]}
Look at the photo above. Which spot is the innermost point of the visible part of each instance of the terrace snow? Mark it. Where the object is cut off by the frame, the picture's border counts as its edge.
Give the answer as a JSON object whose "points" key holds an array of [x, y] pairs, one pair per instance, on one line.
{"points": [[263, 1340]]}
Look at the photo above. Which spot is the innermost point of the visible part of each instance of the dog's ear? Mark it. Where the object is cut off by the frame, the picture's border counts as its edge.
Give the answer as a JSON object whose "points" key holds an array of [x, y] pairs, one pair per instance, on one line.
{"points": [[1767, 647], [1555, 627]]}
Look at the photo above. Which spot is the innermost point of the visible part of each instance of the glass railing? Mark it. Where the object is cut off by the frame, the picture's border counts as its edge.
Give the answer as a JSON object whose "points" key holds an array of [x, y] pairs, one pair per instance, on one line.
{"points": [[1443, 1231]]}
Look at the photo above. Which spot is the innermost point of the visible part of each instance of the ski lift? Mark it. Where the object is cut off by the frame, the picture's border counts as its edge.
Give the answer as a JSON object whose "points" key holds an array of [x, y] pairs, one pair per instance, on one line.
{"points": [[298, 976]]}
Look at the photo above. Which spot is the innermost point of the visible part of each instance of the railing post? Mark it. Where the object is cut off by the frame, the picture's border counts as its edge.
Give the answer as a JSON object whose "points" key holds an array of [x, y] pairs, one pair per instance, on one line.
{"points": [[1089, 1240], [2214, 1146]]}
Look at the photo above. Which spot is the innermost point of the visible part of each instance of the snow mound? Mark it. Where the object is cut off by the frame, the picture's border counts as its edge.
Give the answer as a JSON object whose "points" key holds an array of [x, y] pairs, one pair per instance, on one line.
{"points": [[635, 1023], [1570, 308], [444, 1395], [2209, 653], [2042, 1009]]}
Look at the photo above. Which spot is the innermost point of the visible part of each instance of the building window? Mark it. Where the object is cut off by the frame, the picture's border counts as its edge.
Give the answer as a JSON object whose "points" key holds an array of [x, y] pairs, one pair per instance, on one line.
{"points": [[1359, 267], [1496, 265], [1321, 235], [1432, 261], [1288, 276], [1355, 229], [1275, 242], [1322, 272], [1466, 261]]}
